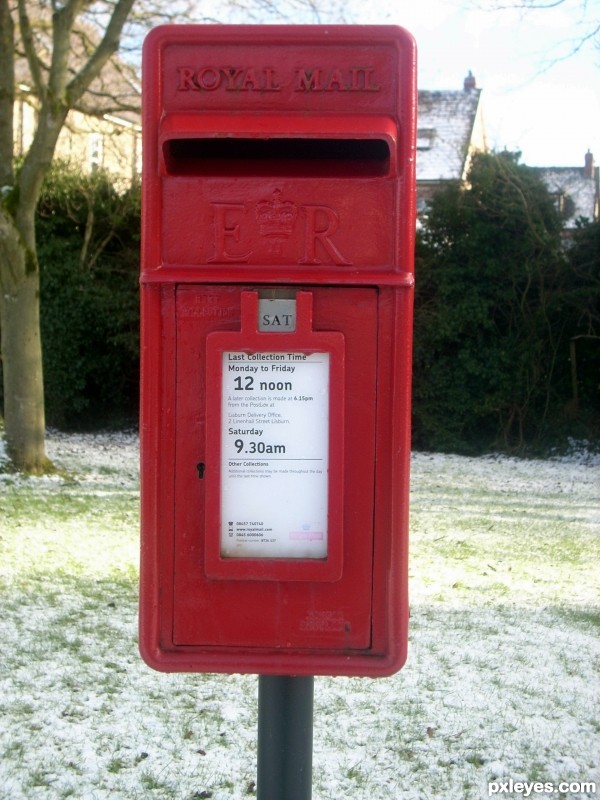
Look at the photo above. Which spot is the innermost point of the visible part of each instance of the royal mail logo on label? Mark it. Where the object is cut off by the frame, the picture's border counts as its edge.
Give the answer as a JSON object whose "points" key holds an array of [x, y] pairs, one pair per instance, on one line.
{"points": [[212, 78]]}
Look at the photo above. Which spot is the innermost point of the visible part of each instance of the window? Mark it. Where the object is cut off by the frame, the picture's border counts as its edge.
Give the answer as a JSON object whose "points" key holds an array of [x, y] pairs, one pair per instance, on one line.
{"points": [[95, 151]]}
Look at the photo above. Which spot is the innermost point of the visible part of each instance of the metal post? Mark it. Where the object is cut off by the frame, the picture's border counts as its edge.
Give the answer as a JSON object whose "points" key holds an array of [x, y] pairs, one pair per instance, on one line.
{"points": [[285, 736]]}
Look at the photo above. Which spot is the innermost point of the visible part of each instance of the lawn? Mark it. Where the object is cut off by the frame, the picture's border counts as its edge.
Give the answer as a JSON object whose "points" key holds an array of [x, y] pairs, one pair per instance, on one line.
{"points": [[502, 681]]}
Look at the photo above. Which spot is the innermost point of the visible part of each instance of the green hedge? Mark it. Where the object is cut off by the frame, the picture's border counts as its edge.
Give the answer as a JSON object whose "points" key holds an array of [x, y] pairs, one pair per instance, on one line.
{"points": [[499, 299], [88, 249]]}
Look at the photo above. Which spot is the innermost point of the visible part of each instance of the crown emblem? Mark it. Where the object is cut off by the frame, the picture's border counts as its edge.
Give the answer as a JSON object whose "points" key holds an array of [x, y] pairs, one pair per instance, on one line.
{"points": [[276, 219]]}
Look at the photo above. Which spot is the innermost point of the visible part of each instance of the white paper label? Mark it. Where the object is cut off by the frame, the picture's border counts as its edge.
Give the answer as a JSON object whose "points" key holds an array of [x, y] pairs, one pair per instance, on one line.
{"points": [[274, 455]]}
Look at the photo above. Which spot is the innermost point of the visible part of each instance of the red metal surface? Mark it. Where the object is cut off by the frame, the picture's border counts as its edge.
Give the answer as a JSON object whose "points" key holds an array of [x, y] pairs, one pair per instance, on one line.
{"points": [[277, 158]]}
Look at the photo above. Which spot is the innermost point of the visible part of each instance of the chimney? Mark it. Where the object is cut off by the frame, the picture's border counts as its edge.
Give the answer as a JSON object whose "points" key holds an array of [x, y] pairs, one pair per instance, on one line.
{"points": [[469, 82], [588, 170]]}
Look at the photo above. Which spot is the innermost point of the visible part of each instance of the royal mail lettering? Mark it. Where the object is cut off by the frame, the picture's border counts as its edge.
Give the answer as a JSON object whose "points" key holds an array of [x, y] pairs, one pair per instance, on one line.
{"points": [[356, 79], [229, 79], [211, 78]]}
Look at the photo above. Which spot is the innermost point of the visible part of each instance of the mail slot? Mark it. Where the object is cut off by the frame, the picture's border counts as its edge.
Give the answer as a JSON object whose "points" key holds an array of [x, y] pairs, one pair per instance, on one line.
{"points": [[276, 299]]}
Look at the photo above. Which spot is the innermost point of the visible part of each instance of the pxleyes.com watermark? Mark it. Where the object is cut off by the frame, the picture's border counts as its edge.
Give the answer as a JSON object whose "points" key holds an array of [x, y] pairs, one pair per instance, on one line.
{"points": [[528, 788]]}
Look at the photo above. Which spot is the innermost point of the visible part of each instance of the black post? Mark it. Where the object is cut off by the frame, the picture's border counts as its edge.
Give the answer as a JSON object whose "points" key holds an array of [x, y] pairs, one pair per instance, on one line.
{"points": [[285, 735]]}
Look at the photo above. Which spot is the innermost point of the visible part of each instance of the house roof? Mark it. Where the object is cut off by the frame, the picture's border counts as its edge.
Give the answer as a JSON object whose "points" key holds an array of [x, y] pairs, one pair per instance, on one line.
{"points": [[450, 127], [575, 189]]}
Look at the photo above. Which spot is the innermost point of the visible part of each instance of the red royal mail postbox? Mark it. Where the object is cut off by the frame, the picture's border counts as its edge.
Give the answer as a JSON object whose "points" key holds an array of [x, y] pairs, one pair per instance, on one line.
{"points": [[277, 283]]}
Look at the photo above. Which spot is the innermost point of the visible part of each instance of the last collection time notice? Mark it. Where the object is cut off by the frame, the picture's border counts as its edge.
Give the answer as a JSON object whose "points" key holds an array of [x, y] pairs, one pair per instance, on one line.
{"points": [[274, 454]]}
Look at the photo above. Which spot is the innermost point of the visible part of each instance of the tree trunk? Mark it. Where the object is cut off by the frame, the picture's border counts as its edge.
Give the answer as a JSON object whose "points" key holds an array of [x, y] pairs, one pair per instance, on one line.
{"points": [[58, 88], [21, 352], [24, 417]]}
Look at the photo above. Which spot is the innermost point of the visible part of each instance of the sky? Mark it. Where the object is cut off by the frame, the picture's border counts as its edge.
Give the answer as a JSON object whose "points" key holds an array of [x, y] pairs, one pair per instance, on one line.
{"points": [[538, 97]]}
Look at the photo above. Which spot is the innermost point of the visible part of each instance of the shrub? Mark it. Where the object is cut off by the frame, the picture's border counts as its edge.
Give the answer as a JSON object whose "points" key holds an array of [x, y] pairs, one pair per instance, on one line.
{"points": [[489, 331], [88, 245]]}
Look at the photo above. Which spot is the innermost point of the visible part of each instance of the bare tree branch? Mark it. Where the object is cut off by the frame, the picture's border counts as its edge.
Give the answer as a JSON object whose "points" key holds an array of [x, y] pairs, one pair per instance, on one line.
{"points": [[33, 61], [62, 26], [588, 22], [107, 47], [7, 92]]}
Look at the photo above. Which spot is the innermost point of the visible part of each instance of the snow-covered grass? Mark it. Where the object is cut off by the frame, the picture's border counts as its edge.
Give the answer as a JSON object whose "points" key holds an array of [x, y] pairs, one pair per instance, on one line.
{"points": [[502, 680]]}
